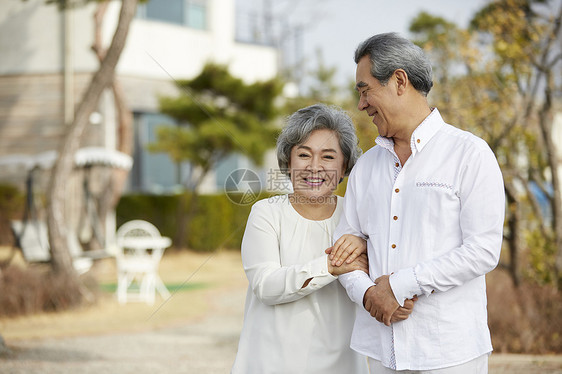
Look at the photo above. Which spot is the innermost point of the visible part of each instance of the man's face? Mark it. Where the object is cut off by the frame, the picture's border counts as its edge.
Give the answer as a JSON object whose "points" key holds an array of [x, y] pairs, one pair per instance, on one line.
{"points": [[374, 98]]}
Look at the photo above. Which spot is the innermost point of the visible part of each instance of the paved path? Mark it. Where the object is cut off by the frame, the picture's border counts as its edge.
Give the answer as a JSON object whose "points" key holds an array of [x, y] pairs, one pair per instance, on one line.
{"points": [[205, 346]]}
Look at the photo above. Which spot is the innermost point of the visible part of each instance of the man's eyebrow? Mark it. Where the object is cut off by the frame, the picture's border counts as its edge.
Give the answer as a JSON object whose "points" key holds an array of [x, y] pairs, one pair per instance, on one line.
{"points": [[360, 84]]}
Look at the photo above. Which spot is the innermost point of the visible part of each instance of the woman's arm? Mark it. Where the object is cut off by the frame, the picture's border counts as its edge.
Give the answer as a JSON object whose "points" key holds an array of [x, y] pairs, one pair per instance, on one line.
{"points": [[272, 283]]}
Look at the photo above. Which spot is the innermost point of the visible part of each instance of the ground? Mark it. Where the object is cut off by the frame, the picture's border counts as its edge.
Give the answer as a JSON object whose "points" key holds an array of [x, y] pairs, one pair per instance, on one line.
{"points": [[195, 331]]}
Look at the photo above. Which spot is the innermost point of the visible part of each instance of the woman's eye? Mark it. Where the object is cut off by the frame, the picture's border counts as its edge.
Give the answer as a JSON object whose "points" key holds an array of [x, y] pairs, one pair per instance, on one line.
{"points": [[329, 157], [302, 155]]}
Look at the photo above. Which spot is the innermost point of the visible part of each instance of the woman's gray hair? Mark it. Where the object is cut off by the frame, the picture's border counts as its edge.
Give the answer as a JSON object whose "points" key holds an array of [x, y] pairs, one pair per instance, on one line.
{"points": [[389, 52], [315, 117]]}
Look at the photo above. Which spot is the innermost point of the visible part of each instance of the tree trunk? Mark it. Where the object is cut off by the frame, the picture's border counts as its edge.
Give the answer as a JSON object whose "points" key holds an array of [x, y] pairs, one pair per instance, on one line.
{"points": [[545, 115], [187, 208], [514, 225], [545, 124], [3, 347], [56, 194], [118, 177]]}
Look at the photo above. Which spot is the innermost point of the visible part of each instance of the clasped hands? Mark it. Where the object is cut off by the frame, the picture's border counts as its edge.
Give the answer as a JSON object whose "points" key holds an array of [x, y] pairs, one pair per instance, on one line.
{"points": [[380, 302], [349, 253]]}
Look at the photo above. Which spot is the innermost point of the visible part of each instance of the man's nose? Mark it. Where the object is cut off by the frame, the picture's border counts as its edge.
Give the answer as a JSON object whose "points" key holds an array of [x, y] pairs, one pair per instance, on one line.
{"points": [[362, 104]]}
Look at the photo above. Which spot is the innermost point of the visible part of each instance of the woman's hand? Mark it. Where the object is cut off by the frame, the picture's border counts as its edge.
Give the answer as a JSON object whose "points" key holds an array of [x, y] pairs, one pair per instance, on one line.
{"points": [[346, 249], [360, 263]]}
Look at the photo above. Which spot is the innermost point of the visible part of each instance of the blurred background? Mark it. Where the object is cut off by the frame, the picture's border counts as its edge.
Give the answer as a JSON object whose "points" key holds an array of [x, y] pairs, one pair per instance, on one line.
{"points": [[112, 111]]}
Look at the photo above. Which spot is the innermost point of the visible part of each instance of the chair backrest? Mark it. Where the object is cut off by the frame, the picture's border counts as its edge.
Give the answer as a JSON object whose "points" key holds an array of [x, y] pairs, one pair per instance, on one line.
{"points": [[31, 237], [137, 228]]}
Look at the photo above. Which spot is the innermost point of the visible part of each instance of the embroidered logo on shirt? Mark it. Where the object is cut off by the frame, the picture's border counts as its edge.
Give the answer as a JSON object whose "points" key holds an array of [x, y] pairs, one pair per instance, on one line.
{"points": [[435, 184]]}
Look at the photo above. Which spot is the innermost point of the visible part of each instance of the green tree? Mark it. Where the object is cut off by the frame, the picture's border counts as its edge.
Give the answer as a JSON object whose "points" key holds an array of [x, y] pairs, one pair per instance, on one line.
{"points": [[497, 78], [219, 115], [526, 39]]}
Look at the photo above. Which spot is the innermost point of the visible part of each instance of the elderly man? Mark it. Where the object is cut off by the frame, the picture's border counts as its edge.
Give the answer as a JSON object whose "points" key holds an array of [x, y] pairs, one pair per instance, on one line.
{"points": [[430, 200]]}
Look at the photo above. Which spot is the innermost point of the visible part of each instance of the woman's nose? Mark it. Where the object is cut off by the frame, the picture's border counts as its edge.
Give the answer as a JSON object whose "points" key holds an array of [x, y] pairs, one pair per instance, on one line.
{"points": [[315, 164]]}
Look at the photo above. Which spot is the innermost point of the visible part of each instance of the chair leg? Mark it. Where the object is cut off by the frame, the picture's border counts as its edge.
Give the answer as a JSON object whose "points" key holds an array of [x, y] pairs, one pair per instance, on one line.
{"points": [[122, 285], [161, 287], [147, 288]]}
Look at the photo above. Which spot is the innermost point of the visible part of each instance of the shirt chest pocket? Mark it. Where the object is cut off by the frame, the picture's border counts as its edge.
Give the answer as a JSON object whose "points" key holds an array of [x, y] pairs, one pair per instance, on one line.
{"points": [[437, 200]]}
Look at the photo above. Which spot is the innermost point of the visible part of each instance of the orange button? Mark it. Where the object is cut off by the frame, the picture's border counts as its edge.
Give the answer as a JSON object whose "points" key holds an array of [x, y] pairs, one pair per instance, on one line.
{"points": [[397, 190], [393, 246], [418, 140], [395, 218], [397, 164]]}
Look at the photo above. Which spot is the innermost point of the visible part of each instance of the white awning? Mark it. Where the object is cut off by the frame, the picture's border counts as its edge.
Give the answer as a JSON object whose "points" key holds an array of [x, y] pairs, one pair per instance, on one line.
{"points": [[84, 157]]}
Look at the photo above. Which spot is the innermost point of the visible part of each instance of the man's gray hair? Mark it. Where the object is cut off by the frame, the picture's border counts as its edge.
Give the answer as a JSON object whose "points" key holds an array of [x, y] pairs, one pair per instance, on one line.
{"points": [[391, 51], [315, 117]]}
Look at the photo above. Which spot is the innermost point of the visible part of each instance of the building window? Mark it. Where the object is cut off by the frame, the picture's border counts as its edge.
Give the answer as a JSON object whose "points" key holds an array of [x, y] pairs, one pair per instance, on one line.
{"points": [[154, 172], [190, 13]]}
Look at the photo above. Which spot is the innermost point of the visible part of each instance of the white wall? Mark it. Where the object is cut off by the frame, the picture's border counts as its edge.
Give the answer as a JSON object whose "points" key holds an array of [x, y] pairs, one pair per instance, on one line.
{"points": [[162, 50], [31, 41], [31, 38]]}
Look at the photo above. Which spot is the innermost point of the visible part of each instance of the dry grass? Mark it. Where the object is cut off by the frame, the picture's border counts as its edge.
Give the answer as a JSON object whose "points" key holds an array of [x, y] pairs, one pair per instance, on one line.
{"points": [[526, 320], [523, 320], [210, 272]]}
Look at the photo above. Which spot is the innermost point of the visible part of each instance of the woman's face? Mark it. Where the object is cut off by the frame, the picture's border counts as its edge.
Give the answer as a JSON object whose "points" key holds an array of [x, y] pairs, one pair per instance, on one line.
{"points": [[317, 165]]}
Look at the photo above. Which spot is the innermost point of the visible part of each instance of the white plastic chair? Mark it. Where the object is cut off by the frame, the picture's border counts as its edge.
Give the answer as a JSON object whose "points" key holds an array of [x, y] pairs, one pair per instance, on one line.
{"points": [[140, 249]]}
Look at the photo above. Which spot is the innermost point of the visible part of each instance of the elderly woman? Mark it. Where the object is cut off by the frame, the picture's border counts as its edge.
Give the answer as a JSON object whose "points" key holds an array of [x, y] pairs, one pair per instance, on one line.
{"points": [[298, 318]]}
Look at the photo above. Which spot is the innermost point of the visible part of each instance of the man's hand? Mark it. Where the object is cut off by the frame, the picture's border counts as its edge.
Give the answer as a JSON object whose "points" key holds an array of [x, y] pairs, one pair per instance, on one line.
{"points": [[360, 263], [404, 312], [380, 302]]}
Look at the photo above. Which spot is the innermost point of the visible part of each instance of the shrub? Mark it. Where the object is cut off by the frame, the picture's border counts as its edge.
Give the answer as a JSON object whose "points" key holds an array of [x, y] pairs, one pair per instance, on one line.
{"points": [[34, 289], [216, 223]]}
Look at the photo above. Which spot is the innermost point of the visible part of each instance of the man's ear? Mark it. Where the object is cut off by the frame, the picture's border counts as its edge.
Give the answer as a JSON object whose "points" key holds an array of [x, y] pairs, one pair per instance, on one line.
{"points": [[402, 81]]}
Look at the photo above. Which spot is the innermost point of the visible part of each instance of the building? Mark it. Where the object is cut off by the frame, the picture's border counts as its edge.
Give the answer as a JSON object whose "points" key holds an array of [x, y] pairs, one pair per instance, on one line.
{"points": [[47, 62]]}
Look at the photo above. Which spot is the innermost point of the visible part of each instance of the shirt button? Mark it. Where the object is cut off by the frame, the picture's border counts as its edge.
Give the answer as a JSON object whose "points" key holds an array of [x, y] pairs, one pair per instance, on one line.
{"points": [[395, 218], [393, 246], [397, 164], [397, 190], [418, 140]]}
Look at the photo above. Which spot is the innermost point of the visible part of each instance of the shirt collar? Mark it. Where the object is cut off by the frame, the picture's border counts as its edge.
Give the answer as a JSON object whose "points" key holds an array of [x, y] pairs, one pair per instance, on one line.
{"points": [[421, 135]]}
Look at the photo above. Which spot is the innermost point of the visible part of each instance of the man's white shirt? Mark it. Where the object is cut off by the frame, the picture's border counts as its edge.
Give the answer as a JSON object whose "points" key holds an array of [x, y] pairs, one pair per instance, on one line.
{"points": [[434, 223]]}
